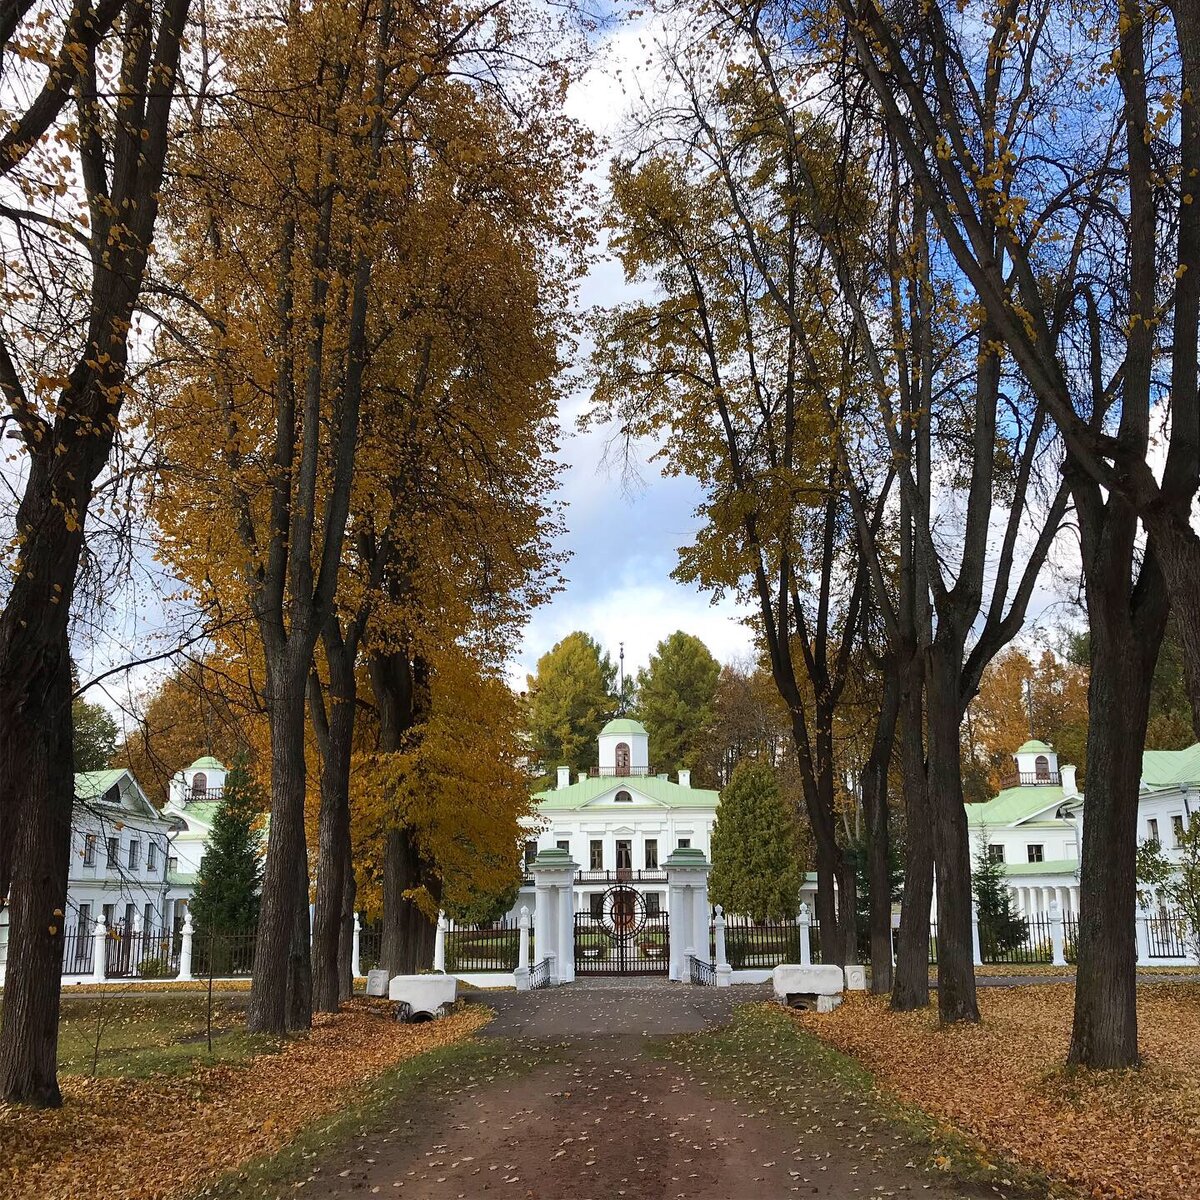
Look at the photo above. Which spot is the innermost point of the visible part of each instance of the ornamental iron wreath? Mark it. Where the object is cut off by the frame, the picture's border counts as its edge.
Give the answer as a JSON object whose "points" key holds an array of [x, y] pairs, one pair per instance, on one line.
{"points": [[623, 911]]}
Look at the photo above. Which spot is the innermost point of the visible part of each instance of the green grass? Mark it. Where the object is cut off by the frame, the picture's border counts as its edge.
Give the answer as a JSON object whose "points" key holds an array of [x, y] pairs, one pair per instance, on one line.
{"points": [[764, 1057], [404, 1090], [134, 1036]]}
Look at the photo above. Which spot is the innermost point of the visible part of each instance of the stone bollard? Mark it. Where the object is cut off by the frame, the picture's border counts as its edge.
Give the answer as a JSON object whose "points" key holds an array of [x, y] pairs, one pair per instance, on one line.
{"points": [[804, 924], [356, 949], [185, 949], [720, 960], [521, 974], [99, 938], [976, 953], [439, 944], [1058, 955]]}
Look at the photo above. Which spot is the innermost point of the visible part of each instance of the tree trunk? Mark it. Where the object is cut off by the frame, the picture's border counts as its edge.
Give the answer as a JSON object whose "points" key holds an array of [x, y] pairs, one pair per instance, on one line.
{"points": [[346, 943], [333, 849], [407, 932], [281, 990], [879, 856], [952, 847], [911, 987]]}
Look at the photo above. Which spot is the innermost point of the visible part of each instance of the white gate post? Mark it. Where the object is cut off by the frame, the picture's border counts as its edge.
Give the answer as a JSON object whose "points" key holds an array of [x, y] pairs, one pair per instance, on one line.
{"points": [[521, 974], [439, 944], [3, 942], [804, 923], [185, 948], [687, 878], [553, 872], [1058, 957], [136, 943], [976, 953], [99, 934], [720, 961], [355, 949], [1142, 933]]}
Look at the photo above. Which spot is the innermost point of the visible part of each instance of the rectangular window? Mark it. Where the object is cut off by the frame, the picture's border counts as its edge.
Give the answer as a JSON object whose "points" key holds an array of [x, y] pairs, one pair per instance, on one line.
{"points": [[85, 918], [651, 854], [1177, 828], [148, 918], [624, 856], [152, 855], [995, 853], [114, 851], [1152, 829], [135, 855], [108, 916], [596, 906], [1036, 853], [596, 855], [89, 850], [172, 864], [130, 910], [564, 844], [685, 843], [530, 853], [652, 904]]}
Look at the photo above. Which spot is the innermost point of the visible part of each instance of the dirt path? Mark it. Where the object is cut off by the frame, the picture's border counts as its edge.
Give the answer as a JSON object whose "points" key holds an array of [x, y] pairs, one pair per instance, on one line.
{"points": [[607, 1118]]}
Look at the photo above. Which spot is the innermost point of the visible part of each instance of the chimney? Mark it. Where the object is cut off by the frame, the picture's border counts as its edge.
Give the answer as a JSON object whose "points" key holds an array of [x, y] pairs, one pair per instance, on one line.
{"points": [[564, 777], [685, 779], [581, 777], [1067, 775]]}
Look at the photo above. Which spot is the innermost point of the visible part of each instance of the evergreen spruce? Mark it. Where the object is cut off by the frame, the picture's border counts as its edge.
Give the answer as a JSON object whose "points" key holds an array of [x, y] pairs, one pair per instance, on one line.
{"points": [[755, 847], [1001, 928], [226, 899]]}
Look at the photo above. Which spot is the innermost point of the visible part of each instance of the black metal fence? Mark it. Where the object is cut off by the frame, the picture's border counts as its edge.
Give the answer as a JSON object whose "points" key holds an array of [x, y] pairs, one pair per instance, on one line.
{"points": [[750, 943], [223, 955], [491, 947], [370, 949], [701, 972], [1168, 935], [539, 975]]}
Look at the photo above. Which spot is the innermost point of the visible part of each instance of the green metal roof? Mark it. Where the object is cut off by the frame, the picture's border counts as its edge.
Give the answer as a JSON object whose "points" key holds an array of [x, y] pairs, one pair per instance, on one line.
{"points": [[1033, 746], [654, 793], [1171, 768], [182, 878], [1054, 866], [1014, 804], [201, 810], [208, 763], [623, 725], [91, 785]]}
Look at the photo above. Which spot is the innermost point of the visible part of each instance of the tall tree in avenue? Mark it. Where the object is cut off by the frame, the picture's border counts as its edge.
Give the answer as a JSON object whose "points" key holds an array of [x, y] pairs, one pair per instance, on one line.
{"points": [[227, 893], [94, 735], [1091, 280], [757, 869], [85, 154], [569, 700], [675, 695], [748, 721]]}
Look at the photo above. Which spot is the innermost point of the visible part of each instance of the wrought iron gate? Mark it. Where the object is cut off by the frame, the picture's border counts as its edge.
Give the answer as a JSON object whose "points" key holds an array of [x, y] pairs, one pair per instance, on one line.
{"points": [[619, 937]]}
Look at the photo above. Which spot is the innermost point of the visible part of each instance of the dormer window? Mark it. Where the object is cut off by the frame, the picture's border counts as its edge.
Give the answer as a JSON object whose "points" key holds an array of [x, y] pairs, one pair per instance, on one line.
{"points": [[623, 797]]}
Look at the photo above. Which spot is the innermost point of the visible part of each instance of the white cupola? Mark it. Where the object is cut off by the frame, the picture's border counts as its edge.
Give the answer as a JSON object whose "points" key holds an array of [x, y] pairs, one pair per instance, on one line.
{"points": [[1036, 763], [624, 748]]}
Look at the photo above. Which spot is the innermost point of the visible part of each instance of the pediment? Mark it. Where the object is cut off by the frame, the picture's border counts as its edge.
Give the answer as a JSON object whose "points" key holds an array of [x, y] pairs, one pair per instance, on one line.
{"points": [[609, 799]]}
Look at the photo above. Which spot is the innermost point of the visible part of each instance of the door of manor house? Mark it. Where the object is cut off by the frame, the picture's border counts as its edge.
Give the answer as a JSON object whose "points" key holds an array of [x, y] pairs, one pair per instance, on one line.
{"points": [[619, 937]]}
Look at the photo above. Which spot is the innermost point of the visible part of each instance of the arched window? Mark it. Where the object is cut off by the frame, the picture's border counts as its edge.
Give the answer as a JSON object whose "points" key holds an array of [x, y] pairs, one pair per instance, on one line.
{"points": [[622, 758], [1041, 768], [199, 785], [623, 797]]}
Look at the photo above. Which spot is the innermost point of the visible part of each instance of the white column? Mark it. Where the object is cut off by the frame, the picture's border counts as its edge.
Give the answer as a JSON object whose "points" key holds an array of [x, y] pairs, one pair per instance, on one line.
{"points": [[679, 920], [542, 917], [439, 943], [805, 923], [687, 878], [566, 934], [976, 954], [720, 961], [185, 948], [548, 931], [356, 948], [1047, 899], [521, 974], [1142, 931], [700, 919], [1058, 956], [137, 943]]}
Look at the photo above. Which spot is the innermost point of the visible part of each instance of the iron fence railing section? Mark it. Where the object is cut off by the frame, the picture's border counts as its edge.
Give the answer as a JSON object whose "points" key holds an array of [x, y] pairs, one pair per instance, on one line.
{"points": [[701, 972], [1026, 940], [539, 975], [750, 943], [623, 875], [370, 949], [492, 947], [1168, 935], [223, 955]]}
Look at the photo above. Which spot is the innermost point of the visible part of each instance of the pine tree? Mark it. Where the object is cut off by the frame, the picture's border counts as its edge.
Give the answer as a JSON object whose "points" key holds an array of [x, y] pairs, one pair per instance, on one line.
{"points": [[755, 847], [226, 899], [1001, 928], [675, 696]]}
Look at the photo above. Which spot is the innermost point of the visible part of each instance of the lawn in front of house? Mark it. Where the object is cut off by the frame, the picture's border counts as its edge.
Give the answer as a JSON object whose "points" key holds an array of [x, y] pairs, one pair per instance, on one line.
{"points": [[1003, 1083]]}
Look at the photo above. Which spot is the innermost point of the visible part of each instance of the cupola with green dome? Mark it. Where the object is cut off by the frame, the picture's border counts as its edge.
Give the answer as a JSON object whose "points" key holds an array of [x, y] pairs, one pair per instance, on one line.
{"points": [[624, 748]]}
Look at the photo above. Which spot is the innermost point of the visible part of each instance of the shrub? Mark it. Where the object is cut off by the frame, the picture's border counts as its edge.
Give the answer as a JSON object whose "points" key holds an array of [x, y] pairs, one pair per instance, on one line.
{"points": [[153, 968]]}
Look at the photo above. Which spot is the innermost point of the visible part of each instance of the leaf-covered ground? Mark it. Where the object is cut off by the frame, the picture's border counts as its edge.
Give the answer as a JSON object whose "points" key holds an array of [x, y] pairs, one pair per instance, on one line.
{"points": [[1113, 1134], [166, 1136]]}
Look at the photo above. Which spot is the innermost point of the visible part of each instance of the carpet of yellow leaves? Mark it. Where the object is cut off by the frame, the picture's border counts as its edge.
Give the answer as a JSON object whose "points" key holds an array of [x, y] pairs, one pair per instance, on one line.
{"points": [[1115, 1134], [164, 1137]]}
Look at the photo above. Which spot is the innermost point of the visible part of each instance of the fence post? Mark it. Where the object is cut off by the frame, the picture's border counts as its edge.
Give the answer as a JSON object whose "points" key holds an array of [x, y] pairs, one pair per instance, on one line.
{"points": [[439, 944], [803, 922], [99, 934], [355, 949], [1142, 933], [720, 961], [1058, 956], [521, 974], [3, 942], [976, 954], [552, 967], [185, 949]]}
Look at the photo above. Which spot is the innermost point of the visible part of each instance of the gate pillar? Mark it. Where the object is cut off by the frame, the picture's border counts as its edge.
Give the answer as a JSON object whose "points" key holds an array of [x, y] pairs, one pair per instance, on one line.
{"points": [[553, 874], [687, 883]]}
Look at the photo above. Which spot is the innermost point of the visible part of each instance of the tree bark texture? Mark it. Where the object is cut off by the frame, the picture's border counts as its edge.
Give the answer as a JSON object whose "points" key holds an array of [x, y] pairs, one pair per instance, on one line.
{"points": [[875, 807]]}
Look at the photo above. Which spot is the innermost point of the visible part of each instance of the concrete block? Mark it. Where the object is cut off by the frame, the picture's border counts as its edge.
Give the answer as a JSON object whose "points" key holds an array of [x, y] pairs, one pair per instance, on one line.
{"points": [[827, 1003], [424, 994], [790, 979], [856, 978]]}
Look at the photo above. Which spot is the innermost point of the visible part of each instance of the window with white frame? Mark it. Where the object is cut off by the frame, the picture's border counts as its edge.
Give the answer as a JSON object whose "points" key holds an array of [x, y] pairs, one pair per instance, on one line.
{"points": [[89, 850], [135, 854], [113, 853], [152, 855], [995, 852], [1177, 828], [1037, 853], [1152, 829]]}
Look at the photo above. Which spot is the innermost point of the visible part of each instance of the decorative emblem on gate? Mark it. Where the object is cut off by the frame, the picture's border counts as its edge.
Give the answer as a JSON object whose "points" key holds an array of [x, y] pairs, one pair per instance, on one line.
{"points": [[623, 911]]}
